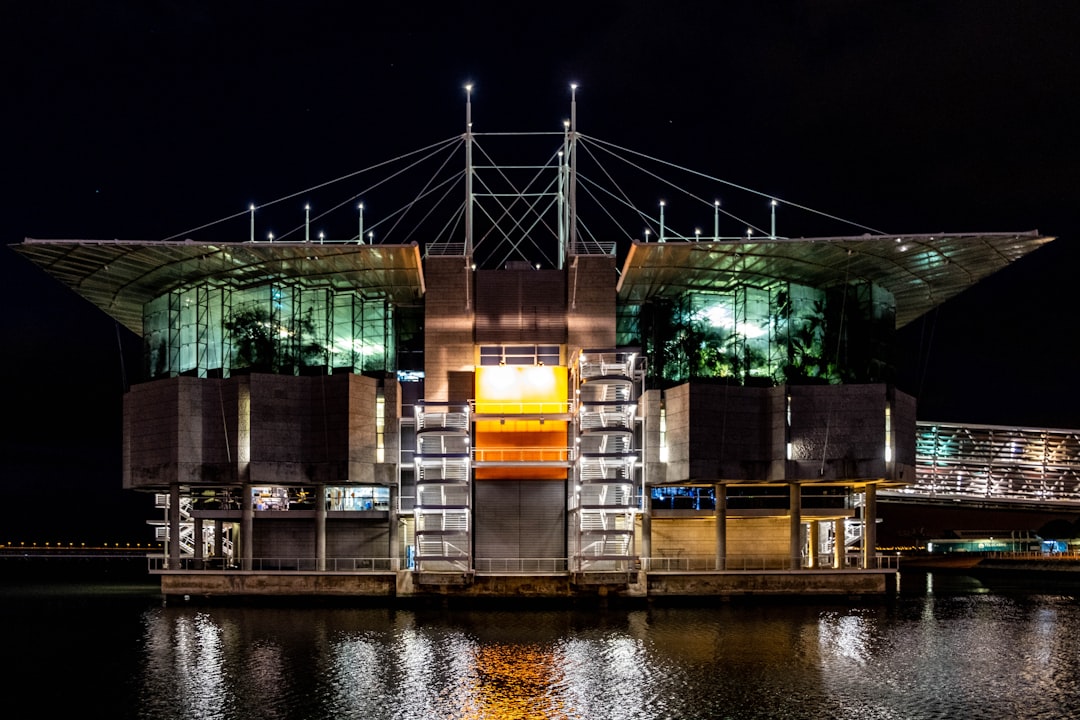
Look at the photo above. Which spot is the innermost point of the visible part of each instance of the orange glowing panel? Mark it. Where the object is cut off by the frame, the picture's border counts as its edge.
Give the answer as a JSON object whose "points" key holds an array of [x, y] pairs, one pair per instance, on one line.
{"points": [[529, 444], [520, 389]]}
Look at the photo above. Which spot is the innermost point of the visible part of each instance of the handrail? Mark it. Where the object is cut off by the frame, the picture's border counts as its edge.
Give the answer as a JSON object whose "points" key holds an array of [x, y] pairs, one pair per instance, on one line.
{"points": [[502, 408], [524, 454], [749, 563], [523, 566], [280, 564], [376, 565]]}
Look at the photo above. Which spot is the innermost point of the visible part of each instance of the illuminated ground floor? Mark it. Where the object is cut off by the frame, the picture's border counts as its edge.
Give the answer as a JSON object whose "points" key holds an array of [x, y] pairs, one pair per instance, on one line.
{"points": [[347, 541]]}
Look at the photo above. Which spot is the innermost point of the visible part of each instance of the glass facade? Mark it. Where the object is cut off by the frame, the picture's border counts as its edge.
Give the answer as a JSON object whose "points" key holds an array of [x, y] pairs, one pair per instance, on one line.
{"points": [[782, 333], [209, 331]]}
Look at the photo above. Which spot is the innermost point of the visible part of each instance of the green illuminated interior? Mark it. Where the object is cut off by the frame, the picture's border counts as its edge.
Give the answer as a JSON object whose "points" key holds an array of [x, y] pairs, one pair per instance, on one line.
{"points": [[210, 331], [783, 333]]}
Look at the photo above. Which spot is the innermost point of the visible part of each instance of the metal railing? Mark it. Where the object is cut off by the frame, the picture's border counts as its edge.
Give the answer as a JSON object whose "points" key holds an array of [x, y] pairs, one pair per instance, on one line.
{"points": [[523, 566], [1070, 555], [282, 564], [526, 566], [520, 408], [523, 454], [760, 563]]}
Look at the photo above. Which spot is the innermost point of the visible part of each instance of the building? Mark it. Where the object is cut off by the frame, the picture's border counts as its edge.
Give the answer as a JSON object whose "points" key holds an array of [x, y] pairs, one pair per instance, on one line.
{"points": [[707, 416]]}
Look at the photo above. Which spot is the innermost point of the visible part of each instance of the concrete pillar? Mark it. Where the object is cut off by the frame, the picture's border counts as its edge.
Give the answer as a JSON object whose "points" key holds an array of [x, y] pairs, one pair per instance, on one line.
{"points": [[219, 551], [247, 521], [720, 513], [795, 509], [815, 543], [198, 541], [320, 527], [172, 559], [646, 531], [869, 542], [839, 542], [394, 531]]}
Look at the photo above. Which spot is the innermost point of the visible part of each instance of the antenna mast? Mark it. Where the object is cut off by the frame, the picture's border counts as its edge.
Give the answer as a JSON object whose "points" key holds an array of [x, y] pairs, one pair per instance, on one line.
{"points": [[468, 172], [573, 169]]}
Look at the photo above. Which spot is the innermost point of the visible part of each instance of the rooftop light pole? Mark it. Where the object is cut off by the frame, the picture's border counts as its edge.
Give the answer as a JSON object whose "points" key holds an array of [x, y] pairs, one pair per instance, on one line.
{"points": [[772, 227], [562, 194], [307, 223], [360, 235], [468, 171], [662, 204], [573, 168], [716, 221], [252, 222]]}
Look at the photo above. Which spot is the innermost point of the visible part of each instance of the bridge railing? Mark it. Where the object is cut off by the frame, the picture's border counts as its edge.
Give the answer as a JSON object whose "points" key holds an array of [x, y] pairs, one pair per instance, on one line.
{"points": [[159, 563], [759, 563], [522, 566]]}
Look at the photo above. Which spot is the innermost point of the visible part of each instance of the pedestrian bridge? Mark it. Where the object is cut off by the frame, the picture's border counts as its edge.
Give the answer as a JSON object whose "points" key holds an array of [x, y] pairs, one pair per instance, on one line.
{"points": [[994, 464]]}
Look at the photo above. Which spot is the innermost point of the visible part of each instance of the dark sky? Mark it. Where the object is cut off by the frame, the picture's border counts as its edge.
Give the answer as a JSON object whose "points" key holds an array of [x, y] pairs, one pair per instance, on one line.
{"points": [[141, 120]]}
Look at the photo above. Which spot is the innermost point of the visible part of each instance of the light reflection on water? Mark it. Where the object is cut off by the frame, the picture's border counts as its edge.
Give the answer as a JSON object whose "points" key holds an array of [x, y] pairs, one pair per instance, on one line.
{"points": [[946, 647]]}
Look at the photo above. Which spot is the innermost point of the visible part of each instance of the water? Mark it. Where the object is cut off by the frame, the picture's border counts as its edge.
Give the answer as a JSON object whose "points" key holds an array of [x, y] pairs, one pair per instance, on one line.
{"points": [[946, 646]]}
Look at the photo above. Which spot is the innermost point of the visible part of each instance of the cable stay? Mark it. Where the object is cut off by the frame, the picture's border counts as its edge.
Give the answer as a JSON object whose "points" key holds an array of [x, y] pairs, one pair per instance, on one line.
{"points": [[523, 207], [736, 186]]}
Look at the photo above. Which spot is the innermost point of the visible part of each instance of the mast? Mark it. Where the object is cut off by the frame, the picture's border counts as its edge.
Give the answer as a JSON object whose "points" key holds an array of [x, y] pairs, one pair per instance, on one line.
{"points": [[468, 172], [573, 169]]}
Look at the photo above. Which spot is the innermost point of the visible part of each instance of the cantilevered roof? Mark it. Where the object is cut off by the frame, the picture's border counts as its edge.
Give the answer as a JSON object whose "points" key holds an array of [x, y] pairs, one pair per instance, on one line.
{"points": [[921, 271], [120, 276]]}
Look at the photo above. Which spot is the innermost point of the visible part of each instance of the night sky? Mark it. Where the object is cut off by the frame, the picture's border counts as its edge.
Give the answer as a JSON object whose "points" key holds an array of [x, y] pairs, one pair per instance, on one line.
{"points": [[141, 120]]}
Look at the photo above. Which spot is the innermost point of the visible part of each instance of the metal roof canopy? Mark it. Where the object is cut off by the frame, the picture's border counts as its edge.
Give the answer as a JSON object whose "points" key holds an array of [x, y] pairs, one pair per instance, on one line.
{"points": [[921, 271], [120, 276]]}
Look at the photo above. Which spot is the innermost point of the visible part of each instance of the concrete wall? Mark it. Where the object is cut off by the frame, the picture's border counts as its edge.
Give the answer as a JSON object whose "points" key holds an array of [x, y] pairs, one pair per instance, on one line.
{"points": [[797, 583], [756, 537], [262, 429], [518, 588], [285, 540], [520, 306], [721, 432], [837, 432], [724, 432], [590, 303], [904, 427], [649, 406], [180, 430], [277, 585], [449, 313]]}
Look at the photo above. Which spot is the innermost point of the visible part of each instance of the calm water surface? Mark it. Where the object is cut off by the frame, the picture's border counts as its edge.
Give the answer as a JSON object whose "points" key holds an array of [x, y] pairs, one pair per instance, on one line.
{"points": [[944, 647]]}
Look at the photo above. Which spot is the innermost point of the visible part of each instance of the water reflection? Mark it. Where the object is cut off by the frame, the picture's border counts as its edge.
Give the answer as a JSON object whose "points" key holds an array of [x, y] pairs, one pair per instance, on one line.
{"points": [[926, 654]]}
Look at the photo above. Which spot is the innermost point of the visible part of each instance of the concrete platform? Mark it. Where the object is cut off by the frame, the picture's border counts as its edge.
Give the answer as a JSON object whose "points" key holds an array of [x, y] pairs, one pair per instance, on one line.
{"points": [[639, 585]]}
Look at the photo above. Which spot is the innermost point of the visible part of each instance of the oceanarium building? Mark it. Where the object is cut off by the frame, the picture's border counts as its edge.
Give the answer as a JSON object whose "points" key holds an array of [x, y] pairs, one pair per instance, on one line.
{"points": [[677, 414]]}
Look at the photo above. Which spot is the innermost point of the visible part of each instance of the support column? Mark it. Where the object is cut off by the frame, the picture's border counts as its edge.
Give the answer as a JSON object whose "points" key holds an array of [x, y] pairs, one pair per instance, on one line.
{"points": [[814, 543], [172, 559], [720, 513], [646, 531], [869, 533], [839, 542], [247, 521], [320, 527], [394, 531], [219, 528], [795, 509], [200, 553]]}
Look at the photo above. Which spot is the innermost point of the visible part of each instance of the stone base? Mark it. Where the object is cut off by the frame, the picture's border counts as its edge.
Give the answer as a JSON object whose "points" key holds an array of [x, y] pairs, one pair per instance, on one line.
{"points": [[640, 585]]}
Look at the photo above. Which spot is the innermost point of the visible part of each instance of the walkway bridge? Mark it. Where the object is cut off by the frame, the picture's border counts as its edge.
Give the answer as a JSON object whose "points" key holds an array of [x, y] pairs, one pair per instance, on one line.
{"points": [[994, 465]]}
